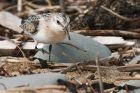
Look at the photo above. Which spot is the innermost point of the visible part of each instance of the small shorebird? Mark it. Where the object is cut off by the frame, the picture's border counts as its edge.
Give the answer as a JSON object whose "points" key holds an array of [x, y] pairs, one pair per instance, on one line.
{"points": [[47, 28]]}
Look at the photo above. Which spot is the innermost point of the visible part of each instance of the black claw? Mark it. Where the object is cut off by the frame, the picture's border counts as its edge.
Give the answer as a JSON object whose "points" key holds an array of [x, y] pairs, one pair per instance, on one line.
{"points": [[44, 51], [43, 62], [36, 48]]}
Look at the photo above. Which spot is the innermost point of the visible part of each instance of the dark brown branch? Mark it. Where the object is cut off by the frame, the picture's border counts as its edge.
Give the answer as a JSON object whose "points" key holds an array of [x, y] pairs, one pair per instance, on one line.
{"points": [[125, 34], [129, 68], [100, 77], [128, 78], [119, 16]]}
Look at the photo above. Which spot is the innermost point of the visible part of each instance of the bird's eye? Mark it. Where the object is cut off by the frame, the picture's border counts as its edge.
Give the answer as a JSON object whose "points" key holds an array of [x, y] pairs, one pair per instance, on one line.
{"points": [[58, 22]]}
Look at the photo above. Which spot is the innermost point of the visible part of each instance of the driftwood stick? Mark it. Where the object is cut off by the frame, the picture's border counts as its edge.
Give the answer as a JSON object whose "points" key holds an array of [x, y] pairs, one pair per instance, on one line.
{"points": [[128, 78], [59, 87], [66, 67], [44, 89], [6, 38], [119, 16], [135, 30], [49, 2], [93, 68], [120, 33], [61, 3], [129, 68], [19, 5], [100, 77]]}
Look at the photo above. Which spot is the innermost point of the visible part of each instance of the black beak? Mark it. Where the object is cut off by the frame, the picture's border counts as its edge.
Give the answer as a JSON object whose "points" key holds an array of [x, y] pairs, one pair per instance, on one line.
{"points": [[67, 32]]}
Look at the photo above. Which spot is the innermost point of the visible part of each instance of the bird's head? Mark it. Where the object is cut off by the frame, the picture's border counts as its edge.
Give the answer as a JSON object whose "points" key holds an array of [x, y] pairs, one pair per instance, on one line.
{"points": [[60, 22]]}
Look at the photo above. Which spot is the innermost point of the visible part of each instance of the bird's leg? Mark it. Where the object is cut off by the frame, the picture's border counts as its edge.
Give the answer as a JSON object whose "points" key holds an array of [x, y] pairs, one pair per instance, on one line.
{"points": [[43, 62], [37, 49], [75, 47], [67, 32], [36, 43], [50, 50]]}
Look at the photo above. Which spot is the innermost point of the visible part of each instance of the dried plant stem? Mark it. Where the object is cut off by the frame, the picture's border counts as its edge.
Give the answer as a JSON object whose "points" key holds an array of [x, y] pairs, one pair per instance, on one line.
{"points": [[128, 78], [61, 2], [6, 38], [121, 33], [49, 2], [89, 83], [23, 54], [117, 15], [19, 5], [100, 77]]}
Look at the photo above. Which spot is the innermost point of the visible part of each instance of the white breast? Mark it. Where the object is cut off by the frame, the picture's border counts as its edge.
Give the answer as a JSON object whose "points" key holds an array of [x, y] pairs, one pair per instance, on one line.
{"points": [[50, 37], [48, 33]]}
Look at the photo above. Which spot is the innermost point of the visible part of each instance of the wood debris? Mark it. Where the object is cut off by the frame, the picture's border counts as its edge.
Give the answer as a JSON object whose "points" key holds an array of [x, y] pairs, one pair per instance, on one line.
{"points": [[115, 24]]}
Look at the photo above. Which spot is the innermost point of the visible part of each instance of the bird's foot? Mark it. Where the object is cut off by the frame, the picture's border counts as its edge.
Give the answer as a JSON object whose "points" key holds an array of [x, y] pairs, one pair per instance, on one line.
{"points": [[44, 63], [42, 50]]}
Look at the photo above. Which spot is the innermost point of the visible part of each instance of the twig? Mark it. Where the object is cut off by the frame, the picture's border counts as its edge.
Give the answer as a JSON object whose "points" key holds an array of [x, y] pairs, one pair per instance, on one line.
{"points": [[45, 89], [19, 5], [47, 8], [119, 16], [122, 33], [49, 2], [128, 78], [100, 77], [14, 6], [33, 5], [55, 87], [78, 81], [10, 59], [109, 90], [89, 83], [135, 30], [93, 68], [103, 61], [61, 2], [69, 68], [6, 38], [23, 54], [129, 68]]}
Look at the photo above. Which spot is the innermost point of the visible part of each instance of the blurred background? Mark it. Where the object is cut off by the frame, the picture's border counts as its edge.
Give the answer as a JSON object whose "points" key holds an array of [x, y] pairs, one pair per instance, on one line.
{"points": [[85, 14]]}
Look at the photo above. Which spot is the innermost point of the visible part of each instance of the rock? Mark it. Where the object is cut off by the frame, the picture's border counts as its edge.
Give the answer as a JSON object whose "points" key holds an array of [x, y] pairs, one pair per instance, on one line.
{"points": [[34, 80], [66, 53], [135, 60], [113, 40], [109, 40], [10, 21], [134, 83], [7, 48]]}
